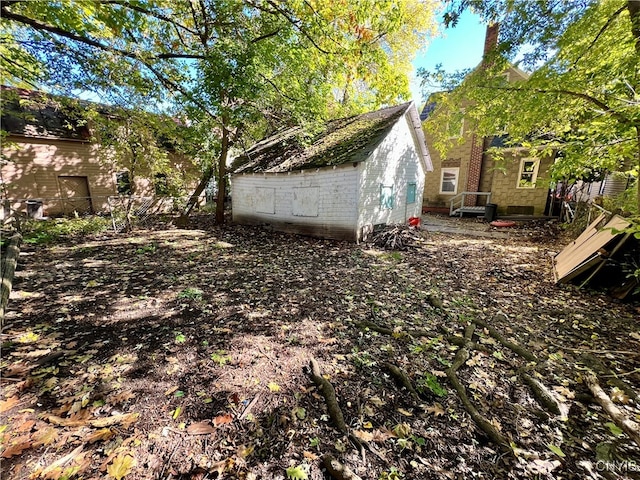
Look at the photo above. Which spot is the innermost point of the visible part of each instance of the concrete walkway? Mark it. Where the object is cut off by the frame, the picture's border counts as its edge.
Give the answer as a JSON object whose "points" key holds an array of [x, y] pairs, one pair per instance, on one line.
{"points": [[466, 226]]}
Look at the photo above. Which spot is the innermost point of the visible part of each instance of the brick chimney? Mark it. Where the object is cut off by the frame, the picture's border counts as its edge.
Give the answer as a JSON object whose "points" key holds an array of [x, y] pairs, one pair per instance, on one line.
{"points": [[491, 38], [477, 148]]}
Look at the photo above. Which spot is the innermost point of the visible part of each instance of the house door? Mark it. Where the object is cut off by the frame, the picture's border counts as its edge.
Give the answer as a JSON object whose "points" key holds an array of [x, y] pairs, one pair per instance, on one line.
{"points": [[75, 195]]}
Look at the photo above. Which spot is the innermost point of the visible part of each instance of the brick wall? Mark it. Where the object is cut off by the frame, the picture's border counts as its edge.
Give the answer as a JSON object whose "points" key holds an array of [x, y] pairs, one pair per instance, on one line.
{"points": [[505, 192]]}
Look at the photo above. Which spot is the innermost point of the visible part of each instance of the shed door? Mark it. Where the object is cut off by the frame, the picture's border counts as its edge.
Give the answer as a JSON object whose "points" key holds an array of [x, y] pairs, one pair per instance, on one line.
{"points": [[75, 194]]}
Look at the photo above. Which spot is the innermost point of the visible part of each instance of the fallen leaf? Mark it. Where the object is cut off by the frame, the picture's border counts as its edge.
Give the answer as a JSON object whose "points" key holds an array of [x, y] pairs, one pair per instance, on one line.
{"points": [[121, 466], [297, 473], [171, 390], [54, 471], [120, 398], [45, 437], [223, 419], [615, 430], [496, 423], [556, 450], [310, 455], [618, 396], [125, 420], [382, 435], [363, 435], [99, 435], [200, 428], [9, 403], [17, 448], [176, 413], [402, 430], [274, 387], [436, 409], [564, 391], [26, 426], [404, 412]]}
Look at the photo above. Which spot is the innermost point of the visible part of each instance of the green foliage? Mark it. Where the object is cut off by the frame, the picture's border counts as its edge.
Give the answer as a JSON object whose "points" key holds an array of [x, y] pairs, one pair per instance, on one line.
{"points": [[51, 231], [580, 99], [267, 65], [298, 472], [615, 430], [151, 248], [362, 359], [429, 383], [220, 357], [191, 293], [392, 474], [180, 338]]}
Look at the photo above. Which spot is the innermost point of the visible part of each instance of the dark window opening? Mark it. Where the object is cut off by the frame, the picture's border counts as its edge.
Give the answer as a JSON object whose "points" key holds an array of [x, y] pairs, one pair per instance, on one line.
{"points": [[123, 183]]}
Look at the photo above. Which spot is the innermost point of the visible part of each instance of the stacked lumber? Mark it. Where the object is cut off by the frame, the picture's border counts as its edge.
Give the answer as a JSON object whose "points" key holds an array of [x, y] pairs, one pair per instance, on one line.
{"points": [[603, 246]]}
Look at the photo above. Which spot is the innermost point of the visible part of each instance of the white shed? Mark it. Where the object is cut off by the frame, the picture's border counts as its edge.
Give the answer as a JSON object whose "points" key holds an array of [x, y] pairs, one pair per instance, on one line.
{"points": [[360, 172]]}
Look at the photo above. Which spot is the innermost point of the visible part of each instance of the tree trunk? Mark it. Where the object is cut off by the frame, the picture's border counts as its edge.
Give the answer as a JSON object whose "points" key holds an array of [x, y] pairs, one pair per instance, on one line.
{"points": [[638, 166], [222, 173], [634, 15], [193, 199]]}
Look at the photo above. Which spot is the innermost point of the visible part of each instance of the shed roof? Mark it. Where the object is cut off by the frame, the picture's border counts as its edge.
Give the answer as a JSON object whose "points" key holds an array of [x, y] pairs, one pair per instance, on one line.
{"points": [[345, 140], [37, 114]]}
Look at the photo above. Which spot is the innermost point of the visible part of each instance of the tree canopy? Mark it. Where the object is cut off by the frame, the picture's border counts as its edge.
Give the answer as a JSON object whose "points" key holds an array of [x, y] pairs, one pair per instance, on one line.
{"points": [[235, 69], [582, 98]]}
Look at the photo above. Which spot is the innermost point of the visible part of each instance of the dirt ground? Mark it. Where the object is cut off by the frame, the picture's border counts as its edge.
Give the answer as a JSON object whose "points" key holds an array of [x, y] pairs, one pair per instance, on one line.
{"points": [[184, 354]]}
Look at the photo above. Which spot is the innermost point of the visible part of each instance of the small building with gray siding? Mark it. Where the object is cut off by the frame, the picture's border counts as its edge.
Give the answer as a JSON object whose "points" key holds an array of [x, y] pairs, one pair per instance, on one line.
{"points": [[357, 173]]}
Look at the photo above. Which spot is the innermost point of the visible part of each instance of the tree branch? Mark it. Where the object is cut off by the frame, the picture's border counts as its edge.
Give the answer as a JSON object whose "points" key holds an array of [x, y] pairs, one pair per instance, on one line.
{"points": [[602, 30], [37, 25], [166, 82], [265, 36], [275, 87], [279, 11], [561, 91], [145, 11]]}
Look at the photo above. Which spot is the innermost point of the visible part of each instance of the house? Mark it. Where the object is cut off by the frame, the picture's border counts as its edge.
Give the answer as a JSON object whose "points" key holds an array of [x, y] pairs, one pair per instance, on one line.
{"points": [[468, 177], [51, 167], [358, 173]]}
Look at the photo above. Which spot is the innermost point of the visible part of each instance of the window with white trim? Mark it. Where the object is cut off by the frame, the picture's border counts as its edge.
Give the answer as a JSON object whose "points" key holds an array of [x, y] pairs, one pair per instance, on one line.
{"points": [[449, 180], [528, 173]]}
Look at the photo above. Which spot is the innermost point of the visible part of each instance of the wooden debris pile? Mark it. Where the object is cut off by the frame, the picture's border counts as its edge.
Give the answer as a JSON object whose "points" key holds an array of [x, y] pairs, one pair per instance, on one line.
{"points": [[397, 237], [603, 255]]}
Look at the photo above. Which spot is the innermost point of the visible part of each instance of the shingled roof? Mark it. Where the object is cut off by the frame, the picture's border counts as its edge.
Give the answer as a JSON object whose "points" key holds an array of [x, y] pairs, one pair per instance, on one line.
{"points": [[346, 140], [37, 114]]}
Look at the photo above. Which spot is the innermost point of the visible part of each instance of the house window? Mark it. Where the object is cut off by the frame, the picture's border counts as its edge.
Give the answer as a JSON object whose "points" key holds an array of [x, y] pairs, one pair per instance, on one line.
{"points": [[449, 180], [528, 173], [386, 196], [123, 183], [411, 193], [161, 184]]}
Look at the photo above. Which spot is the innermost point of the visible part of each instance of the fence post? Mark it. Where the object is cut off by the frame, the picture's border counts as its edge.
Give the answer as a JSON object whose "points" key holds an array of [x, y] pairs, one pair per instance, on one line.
{"points": [[9, 261]]}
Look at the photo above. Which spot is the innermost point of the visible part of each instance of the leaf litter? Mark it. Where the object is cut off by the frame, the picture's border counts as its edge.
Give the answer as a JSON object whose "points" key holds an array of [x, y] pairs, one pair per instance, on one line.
{"points": [[189, 360]]}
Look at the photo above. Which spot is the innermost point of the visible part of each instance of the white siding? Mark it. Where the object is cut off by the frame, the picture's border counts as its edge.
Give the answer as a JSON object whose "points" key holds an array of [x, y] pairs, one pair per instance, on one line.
{"points": [[334, 188], [395, 162]]}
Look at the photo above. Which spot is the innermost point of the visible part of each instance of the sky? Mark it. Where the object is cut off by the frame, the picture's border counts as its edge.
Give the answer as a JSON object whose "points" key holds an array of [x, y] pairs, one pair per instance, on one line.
{"points": [[456, 49]]}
